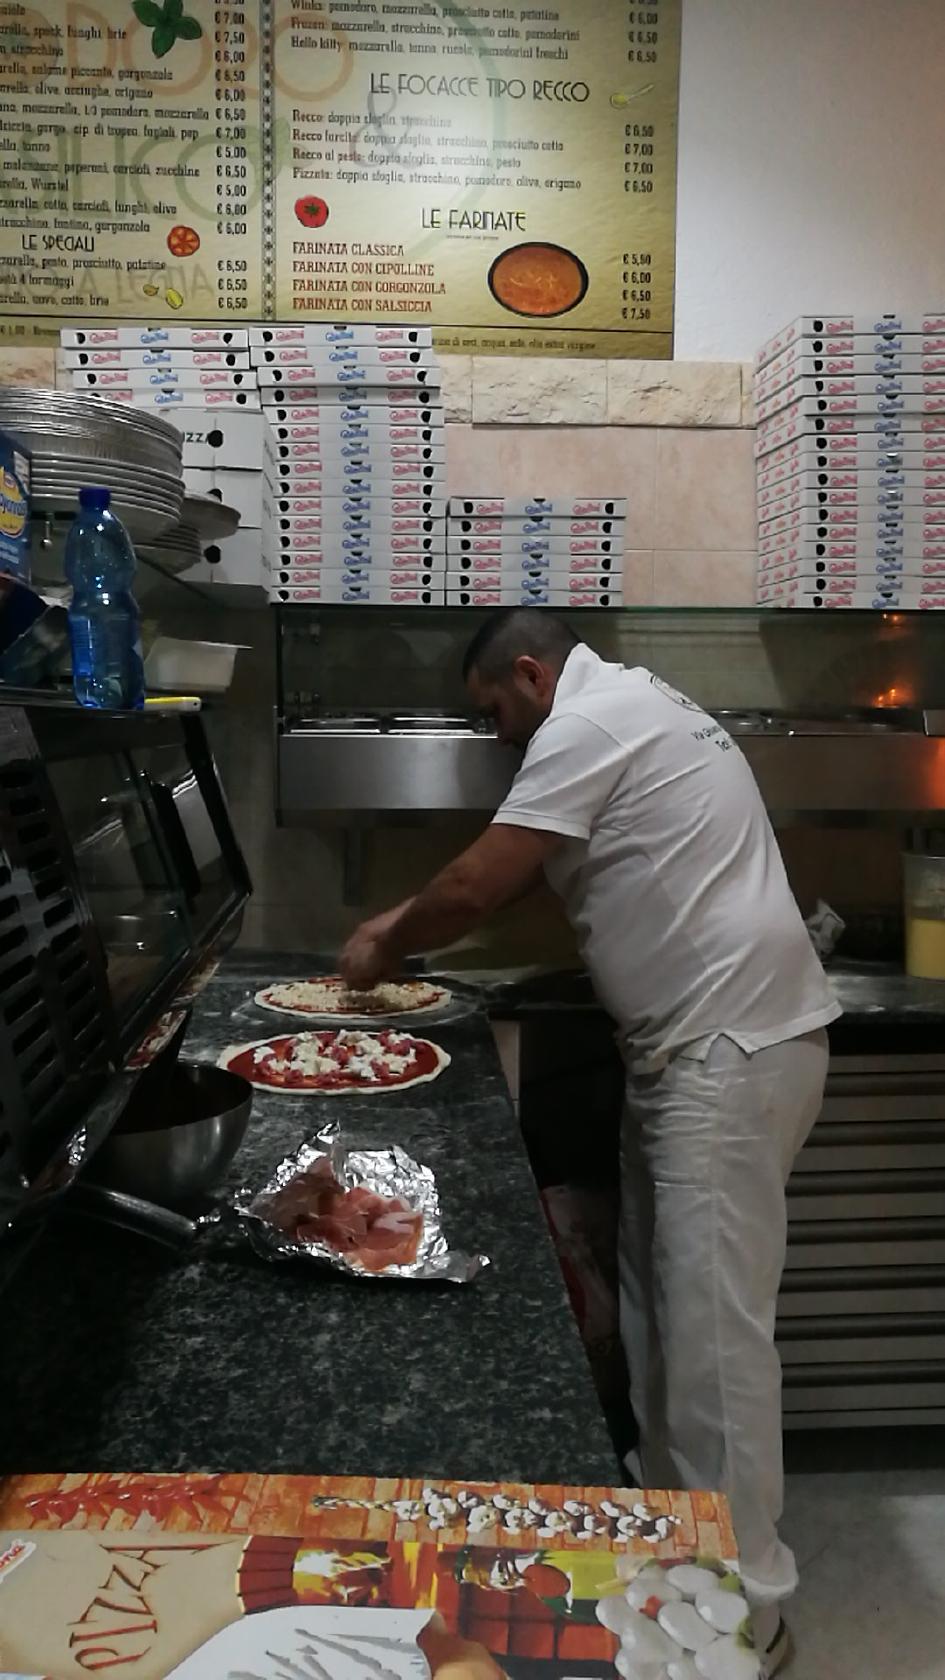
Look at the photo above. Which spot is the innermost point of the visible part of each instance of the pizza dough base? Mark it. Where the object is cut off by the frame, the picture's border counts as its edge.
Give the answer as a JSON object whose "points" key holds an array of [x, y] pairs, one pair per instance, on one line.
{"points": [[326, 1014], [443, 1060]]}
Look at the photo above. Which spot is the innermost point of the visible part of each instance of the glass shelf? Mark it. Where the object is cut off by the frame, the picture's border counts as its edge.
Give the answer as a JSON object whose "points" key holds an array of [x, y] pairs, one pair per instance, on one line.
{"points": [[370, 657]]}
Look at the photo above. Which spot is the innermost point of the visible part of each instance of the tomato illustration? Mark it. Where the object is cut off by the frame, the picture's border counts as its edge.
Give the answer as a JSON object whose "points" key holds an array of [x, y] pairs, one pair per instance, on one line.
{"points": [[312, 212], [183, 241]]}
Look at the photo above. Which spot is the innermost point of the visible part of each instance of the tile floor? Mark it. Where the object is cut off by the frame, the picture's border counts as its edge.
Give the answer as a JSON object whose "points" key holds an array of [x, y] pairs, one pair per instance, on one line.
{"points": [[870, 1543]]}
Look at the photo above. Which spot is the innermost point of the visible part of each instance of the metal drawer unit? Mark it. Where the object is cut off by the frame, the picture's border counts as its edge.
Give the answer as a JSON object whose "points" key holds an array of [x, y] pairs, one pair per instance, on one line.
{"points": [[861, 1315]]}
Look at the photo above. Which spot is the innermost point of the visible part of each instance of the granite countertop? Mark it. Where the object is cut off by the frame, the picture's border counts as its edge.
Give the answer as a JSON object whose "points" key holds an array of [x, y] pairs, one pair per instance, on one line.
{"points": [[123, 1356]]}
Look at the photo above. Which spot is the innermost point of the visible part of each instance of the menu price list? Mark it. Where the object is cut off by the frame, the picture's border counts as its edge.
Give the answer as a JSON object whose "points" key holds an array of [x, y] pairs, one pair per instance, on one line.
{"points": [[463, 166]]}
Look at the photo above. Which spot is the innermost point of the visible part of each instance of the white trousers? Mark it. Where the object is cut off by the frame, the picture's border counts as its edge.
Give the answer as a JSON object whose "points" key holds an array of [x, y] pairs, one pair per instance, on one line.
{"points": [[707, 1147]]}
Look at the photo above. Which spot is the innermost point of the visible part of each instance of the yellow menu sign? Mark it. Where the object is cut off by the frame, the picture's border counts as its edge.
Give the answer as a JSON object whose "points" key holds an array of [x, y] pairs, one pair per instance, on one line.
{"points": [[502, 173]]}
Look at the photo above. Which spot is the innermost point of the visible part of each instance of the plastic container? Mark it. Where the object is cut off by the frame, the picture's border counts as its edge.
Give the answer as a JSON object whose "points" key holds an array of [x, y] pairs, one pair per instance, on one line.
{"points": [[104, 630], [924, 907], [174, 666]]}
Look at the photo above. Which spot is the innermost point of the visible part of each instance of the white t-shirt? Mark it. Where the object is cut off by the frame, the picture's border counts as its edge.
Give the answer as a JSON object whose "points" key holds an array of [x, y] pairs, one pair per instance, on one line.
{"points": [[670, 872]]}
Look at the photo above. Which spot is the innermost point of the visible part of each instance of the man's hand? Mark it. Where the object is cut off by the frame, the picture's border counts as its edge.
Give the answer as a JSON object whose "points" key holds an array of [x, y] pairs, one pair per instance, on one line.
{"points": [[370, 954]]}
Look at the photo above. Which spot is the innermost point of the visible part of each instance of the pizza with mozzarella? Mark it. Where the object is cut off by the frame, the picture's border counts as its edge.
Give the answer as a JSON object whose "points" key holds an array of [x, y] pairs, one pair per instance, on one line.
{"points": [[329, 1062], [329, 995]]}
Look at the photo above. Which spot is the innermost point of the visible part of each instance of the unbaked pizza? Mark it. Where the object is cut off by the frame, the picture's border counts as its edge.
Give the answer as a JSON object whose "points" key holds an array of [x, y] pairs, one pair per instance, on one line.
{"points": [[329, 1062], [329, 995]]}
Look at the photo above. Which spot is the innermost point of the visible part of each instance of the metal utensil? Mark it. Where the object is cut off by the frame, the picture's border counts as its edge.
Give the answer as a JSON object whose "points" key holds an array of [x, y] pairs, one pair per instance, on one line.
{"points": [[178, 1150]]}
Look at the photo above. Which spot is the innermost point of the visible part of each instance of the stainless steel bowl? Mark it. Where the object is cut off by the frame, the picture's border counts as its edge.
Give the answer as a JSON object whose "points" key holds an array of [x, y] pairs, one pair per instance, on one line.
{"points": [[176, 1149]]}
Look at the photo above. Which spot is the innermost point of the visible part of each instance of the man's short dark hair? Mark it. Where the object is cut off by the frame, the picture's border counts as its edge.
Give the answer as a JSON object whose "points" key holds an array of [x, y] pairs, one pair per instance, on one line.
{"points": [[507, 635]]}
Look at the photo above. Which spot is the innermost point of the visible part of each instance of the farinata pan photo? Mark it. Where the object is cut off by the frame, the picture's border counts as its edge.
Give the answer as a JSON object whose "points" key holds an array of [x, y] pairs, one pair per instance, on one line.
{"points": [[328, 995], [334, 1061]]}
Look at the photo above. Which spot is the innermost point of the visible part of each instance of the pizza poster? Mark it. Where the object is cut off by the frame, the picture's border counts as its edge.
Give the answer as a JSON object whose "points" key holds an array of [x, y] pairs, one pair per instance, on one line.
{"points": [[293, 1578], [502, 173]]}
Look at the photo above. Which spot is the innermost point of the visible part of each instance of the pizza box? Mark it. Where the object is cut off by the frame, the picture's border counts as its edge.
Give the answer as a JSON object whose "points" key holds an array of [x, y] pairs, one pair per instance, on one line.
{"points": [[334, 518], [377, 396], [381, 472], [839, 540], [237, 560], [333, 451], [335, 332], [219, 439], [528, 507], [324, 487], [836, 598], [891, 364], [348, 377], [901, 392], [853, 510], [524, 576], [507, 595], [886, 323], [327, 357], [155, 358], [892, 431], [792, 547], [172, 338], [198, 481], [377, 545], [384, 415], [337, 593], [845, 466], [497, 547], [169, 397], [402, 568], [853, 566], [242, 490], [147, 378], [531, 559], [374, 508], [843, 521], [282, 440], [855, 488], [535, 526]]}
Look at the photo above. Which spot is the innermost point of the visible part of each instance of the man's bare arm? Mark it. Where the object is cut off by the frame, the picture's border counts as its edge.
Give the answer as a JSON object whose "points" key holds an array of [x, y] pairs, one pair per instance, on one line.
{"points": [[501, 866]]}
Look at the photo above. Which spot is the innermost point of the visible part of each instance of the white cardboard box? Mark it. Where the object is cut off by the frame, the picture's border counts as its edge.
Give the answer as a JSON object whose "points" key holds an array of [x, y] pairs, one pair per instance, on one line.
{"points": [[163, 378], [535, 562], [359, 451], [900, 393], [335, 486], [406, 574], [219, 439], [794, 548], [243, 490], [237, 560], [345, 396], [854, 508], [546, 507], [169, 399], [367, 545], [385, 417], [535, 526], [379, 510], [772, 568], [468, 548], [171, 337], [112, 357], [377, 526], [198, 481], [892, 431], [349, 377], [852, 540], [835, 598], [336, 332], [884, 325], [508, 595], [357, 594], [521, 577], [854, 489], [282, 442], [894, 364], [851, 466], [331, 356]]}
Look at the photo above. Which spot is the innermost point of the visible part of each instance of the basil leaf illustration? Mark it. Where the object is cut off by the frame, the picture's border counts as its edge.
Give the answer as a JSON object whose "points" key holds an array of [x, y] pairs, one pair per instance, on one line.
{"points": [[165, 34], [173, 10], [147, 13], [189, 29]]}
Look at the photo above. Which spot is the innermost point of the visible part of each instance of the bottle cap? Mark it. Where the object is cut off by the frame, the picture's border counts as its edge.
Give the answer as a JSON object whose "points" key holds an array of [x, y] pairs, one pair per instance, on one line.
{"points": [[94, 496]]}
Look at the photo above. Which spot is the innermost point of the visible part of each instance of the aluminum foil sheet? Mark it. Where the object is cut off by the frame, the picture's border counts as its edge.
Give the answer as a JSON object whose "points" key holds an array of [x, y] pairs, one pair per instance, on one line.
{"points": [[386, 1172]]}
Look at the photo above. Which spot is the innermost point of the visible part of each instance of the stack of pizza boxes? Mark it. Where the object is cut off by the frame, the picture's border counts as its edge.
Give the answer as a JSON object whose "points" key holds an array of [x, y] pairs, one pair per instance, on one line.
{"points": [[198, 378], [355, 463], [554, 551], [851, 462]]}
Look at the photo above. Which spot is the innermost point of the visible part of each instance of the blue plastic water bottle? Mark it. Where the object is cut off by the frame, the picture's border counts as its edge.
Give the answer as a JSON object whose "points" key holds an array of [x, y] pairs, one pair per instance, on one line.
{"points": [[103, 619]]}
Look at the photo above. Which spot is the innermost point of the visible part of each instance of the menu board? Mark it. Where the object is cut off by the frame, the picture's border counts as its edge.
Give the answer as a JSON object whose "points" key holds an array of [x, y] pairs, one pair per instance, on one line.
{"points": [[502, 173]]}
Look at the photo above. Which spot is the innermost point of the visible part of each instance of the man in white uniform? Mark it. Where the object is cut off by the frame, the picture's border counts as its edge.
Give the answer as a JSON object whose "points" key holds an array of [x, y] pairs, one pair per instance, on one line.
{"points": [[644, 816]]}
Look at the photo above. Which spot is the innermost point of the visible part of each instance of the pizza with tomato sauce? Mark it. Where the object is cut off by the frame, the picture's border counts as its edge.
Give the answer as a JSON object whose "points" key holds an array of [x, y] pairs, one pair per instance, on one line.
{"points": [[329, 995], [330, 1062]]}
